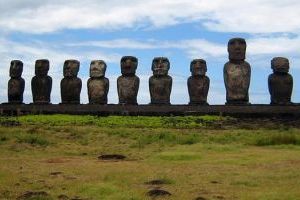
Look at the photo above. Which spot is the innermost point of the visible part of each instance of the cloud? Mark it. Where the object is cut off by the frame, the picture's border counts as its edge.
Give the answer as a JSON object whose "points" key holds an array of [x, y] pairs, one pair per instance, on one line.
{"points": [[257, 46], [193, 47], [252, 16]]}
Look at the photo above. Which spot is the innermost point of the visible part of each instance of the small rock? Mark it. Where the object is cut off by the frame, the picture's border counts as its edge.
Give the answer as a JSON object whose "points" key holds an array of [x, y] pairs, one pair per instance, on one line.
{"points": [[30, 194], [158, 192], [215, 182], [111, 157]]}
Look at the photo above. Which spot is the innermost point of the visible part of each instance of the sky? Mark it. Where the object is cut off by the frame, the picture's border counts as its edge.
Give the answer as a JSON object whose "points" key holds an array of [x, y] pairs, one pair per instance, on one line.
{"points": [[181, 30]]}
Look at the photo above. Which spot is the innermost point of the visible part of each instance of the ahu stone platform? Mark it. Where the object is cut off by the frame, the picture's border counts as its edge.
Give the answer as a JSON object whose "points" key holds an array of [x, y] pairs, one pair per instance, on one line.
{"points": [[254, 110]]}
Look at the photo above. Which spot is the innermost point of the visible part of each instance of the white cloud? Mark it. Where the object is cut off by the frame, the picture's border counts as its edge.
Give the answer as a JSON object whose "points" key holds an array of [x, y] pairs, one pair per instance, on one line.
{"points": [[257, 46], [193, 47], [251, 16]]}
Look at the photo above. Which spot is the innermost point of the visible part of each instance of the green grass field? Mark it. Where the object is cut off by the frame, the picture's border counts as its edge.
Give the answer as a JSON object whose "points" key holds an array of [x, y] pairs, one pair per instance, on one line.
{"points": [[193, 158]]}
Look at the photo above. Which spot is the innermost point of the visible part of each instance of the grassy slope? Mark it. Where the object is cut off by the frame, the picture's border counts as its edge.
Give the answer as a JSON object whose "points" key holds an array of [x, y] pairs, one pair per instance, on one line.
{"points": [[196, 156]]}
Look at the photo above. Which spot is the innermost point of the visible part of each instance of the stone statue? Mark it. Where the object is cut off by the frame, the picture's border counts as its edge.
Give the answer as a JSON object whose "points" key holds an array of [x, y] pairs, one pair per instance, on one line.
{"points": [[160, 84], [280, 82], [198, 83], [128, 83], [41, 83], [71, 84], [237, 73], [98, 84], [16, 84]]}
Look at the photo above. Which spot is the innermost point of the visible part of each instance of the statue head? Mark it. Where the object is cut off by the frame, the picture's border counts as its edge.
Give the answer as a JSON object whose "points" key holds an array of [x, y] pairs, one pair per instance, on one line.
{"points": [[71, 68], [280, 64], [97, 68], [41, 67], [237, 49], [160, 66], [128, 65], [198, 67], [16, 69]]}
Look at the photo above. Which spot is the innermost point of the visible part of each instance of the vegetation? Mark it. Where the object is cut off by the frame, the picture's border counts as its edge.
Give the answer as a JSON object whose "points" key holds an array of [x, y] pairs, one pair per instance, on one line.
{"points": [[208, 157]]}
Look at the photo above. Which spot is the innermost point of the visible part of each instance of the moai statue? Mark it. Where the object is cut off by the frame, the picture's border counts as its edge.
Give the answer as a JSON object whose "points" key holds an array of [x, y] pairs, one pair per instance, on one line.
{"points": [[280, 82], [160, 84], [16, 84], [237, 73], [71, 85], [98, 84], [198, 83], [41, 83], [128, 84]]}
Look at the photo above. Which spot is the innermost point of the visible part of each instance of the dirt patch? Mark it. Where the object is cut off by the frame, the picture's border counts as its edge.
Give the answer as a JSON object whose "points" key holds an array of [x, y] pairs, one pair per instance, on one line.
{"points": [[57, 160], [30, 195], [158, 193], [157, 182], [219, 197], [215, 182], [63, 197], [77, 198], [55, 173], [200, 198], [112, 157]]}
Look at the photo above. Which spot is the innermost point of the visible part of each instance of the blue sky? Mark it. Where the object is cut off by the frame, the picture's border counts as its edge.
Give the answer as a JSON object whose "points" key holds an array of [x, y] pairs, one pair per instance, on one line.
{"points": [[181, 30]]}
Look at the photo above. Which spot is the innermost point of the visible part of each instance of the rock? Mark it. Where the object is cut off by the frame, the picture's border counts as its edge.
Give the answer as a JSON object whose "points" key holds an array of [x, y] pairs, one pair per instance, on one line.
{"points": [[112, 157], [158, 192], [30, 194]]}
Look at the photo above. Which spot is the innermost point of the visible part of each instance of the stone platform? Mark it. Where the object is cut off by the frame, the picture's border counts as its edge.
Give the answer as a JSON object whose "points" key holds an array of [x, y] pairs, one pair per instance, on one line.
{"points": [[255, 110]]}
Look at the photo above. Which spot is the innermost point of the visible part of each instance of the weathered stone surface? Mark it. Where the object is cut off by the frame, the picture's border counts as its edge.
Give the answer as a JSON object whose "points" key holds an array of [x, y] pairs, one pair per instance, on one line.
{"points": [[237, 73], [98, 84], [160, 84], [280, 82], [128, 84], [198, 83], [253, 111], [41, 83], [16, 84], [71, 84]]}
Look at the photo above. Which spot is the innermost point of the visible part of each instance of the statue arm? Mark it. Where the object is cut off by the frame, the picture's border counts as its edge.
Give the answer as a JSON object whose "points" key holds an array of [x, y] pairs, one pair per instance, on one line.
{"points": [[118, 87], [107, 86], [22, 85], [50, 84], [269, 84], [137, 85]]}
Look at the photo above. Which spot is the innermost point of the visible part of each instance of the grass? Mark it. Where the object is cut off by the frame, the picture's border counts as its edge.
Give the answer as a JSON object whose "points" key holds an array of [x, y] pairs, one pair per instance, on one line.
{"points": [[207, 157]]}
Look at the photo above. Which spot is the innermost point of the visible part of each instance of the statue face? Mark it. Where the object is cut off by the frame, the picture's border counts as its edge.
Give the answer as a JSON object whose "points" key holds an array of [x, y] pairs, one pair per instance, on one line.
{"points": [[280, 64], [16, 69], [198, 67], [71, 68], [129, 65], [160, 66], [237, 49], [97, 68], [41, 68]]}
